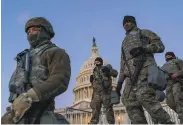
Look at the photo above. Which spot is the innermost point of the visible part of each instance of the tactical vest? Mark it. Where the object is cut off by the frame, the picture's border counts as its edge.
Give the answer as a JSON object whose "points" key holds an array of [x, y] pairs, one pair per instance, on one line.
{"points": [[38, 73], [102, 81], [171, 66], [97, 72]]}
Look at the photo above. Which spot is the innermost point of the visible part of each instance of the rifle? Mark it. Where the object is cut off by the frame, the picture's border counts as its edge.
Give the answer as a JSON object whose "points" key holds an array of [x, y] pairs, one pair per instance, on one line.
{"points": [[24, 59], [138, 68]]}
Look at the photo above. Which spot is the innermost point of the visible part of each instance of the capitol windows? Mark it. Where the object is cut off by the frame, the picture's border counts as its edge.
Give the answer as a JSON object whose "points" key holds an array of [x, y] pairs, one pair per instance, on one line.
{"points": [[77, 95], [80, 80], [87, 78], [84, 79], [85, 94]]}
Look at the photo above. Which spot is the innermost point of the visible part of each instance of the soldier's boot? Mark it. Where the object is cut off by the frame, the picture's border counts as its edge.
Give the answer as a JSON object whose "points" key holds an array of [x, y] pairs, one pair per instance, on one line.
{"points": [[109, 115], [168, 121], [181, 121], [93, 122]]}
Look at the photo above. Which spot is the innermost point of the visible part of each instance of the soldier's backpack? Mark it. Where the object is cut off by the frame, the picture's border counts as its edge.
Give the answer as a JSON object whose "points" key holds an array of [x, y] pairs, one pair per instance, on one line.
{"points": [[157, 78], [115, 98]]}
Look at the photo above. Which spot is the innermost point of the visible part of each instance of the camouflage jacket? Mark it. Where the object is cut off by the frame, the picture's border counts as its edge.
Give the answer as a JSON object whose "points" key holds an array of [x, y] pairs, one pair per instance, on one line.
{"points": [[49, 73], [174, 66], [153, 44]]}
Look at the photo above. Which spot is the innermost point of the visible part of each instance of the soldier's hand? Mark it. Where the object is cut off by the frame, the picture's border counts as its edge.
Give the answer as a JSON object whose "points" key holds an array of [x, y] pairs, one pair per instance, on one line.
{"points": [[7, 118], [118, 89], [32, 94], [118, 92], [113, 89], [160, 95], [20, 106], [174, 76]]}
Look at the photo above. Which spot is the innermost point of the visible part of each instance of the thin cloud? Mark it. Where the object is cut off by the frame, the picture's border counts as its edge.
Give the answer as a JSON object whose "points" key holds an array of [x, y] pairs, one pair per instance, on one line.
{"points": [[23, 17]]}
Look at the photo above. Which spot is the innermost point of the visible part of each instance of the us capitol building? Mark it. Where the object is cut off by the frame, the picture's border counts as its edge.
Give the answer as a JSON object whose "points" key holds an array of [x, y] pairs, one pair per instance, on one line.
{"points": [[80, 112]]}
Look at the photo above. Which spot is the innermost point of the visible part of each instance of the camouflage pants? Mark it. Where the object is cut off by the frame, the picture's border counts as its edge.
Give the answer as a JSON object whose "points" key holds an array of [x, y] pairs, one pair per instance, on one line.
{"points": [[141, 96], [174, 97], [99, 98]]}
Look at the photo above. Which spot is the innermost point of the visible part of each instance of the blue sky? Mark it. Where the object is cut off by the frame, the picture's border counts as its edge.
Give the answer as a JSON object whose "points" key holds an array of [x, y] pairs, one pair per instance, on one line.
{"points": [[76, 22]]}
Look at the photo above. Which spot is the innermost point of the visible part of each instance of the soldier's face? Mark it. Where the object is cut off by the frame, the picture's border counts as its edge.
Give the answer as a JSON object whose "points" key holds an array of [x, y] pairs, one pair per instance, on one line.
{"points": [[168, 57], [33, 30], [96, 62], [128, 26], [32, 35]]}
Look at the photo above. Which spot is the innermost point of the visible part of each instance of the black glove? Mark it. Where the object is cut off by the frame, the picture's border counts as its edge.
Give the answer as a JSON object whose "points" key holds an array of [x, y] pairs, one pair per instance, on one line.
{"points": [[160, 95], [118, 88], [137, 51], [105, 69]]}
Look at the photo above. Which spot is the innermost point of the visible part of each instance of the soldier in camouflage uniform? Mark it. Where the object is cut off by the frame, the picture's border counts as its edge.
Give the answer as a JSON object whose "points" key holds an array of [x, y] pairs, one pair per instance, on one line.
{"points": [[49, 77], [102, 87], [174, 88], [141, 95]]}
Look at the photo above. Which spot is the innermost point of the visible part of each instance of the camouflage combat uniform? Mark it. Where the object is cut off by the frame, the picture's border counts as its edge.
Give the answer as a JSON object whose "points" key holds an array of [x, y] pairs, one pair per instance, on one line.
{"points": [[141, 94], [102, 95], [49, 76], [174, 89]]}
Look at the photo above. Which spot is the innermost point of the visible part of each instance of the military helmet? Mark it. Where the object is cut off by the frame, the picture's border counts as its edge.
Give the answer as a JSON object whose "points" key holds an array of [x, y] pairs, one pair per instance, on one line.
{"points": [[40, 22], [170, 53], [129, 18]]}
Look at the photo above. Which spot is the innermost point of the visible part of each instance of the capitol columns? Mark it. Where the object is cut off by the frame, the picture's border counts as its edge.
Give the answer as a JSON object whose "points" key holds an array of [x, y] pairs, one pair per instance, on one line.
{"points": [[86, 118], [81, 117], [71, 118]]}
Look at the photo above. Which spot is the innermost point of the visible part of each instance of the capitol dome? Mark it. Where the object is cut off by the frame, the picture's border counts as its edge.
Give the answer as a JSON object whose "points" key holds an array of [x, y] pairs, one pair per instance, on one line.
{"points": [[83, 89]]}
